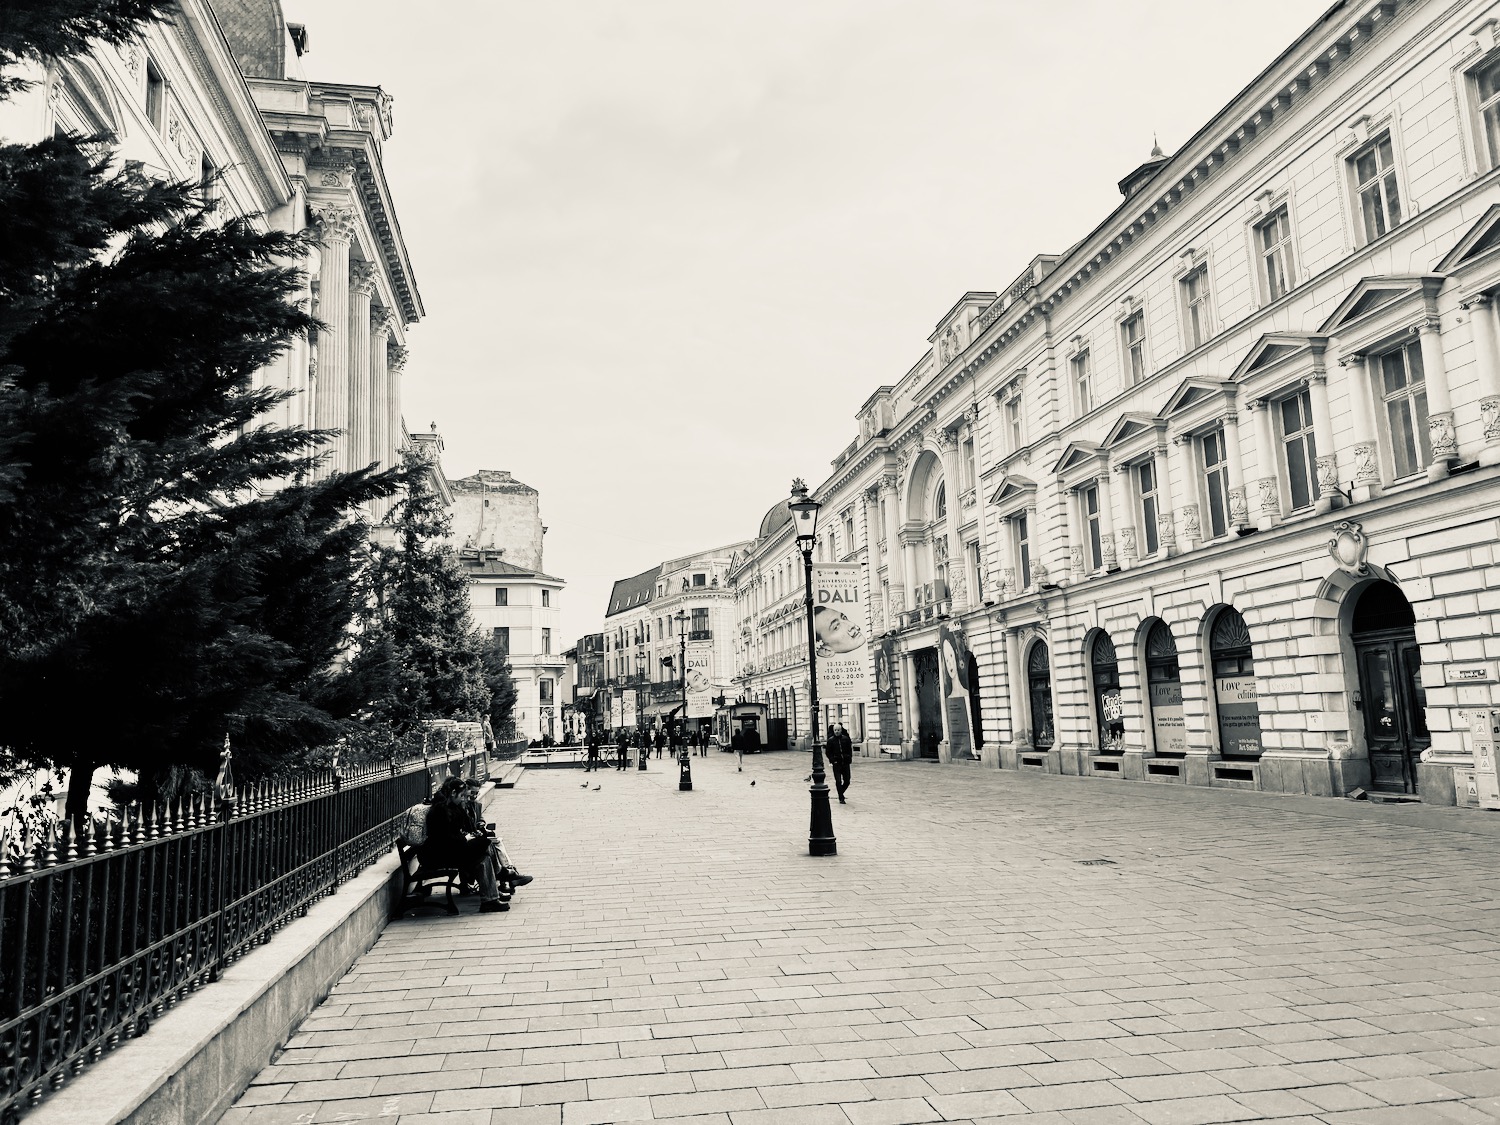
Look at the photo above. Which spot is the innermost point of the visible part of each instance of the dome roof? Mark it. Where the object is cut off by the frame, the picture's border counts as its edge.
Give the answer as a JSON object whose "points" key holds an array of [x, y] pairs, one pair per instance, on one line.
{"points": [[777, 518]]}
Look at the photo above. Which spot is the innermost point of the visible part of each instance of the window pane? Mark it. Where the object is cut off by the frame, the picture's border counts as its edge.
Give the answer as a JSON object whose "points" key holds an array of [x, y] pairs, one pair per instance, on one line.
{"points": [[1393, 199], [1373, 212], [1298, 478], [1403, 439], [1148, 522], [1384, 149], [1393, 371], [1365, 167]]}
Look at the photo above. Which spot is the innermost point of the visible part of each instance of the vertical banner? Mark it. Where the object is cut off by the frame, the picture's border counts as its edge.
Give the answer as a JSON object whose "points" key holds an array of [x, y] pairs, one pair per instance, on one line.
{"points": [[840, 628], [627, 708], [615, 709], [885, 693], [953, 662], [700, 679]]}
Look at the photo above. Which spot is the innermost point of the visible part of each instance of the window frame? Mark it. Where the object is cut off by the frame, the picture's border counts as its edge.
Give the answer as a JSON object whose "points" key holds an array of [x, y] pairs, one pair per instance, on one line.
{"points": [[1133, 362], [502, 596], [1193, 337], [1408, 349], [1150, 520], [1088, 500], [1358, 188], [1080, 377], [154, 101], [1306, 436], [546, 641], [1214, 513], [1279, 215], [1020, 528]]}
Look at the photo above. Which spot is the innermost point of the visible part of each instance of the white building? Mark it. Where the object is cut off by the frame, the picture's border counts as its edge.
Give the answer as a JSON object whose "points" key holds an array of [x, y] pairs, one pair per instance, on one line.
{"points": [[518, 607]]}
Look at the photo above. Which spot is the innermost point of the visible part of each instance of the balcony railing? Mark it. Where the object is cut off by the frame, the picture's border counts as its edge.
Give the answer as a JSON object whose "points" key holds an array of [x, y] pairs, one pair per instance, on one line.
{"points": [[700, 634]]}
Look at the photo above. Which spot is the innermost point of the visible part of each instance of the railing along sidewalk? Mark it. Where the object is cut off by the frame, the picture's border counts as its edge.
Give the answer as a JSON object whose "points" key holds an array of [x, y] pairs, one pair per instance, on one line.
{"points": [[103, 930]]}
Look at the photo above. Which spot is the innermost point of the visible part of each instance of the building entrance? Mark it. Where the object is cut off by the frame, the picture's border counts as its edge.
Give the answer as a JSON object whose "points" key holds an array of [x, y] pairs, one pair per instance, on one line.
{"points": [[1392, 698], [929, 686], [1039, 690]]}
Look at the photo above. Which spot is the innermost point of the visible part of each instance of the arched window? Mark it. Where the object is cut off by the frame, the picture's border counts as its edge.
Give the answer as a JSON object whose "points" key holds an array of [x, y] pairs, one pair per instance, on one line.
{"points": [[1164, 691], [940, 503], [1108, 710], [1234, 686], [1039, 689]]}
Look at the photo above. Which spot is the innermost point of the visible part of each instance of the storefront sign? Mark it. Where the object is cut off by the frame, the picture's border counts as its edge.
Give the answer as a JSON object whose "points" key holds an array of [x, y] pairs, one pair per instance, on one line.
{"points": [[1112, 707], [1481, 673], [1167, 719], [840, 628], [1239, 714], [700, 680]]}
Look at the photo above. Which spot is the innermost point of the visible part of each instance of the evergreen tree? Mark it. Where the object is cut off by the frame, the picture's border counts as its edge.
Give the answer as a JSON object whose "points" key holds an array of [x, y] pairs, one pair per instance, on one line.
{"points": [[168, 566], [502, 687]]}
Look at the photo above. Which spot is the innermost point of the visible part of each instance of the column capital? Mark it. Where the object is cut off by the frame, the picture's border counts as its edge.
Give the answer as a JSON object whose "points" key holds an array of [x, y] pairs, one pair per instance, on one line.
{"points": [[1353, 359], [335, 224], [1478, 300], [362, 277], [382, 319], [1317, 377], [397, 356], [1428, 324]]}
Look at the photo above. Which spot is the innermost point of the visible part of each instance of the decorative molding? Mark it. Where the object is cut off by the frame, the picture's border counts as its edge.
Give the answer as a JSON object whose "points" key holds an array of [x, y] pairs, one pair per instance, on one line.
{"points": [[1328, 474], [1349, 548], [1366, 464], [1270, 499], [1441, 436], [1489, 414], [1127, 543], [335, 224], [1191, 529], [1239, 508], [362, 277], [397, 357]]}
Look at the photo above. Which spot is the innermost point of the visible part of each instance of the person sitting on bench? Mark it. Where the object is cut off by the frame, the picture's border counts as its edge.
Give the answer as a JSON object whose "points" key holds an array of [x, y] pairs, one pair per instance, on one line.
{"points": [[453, 842], [509, 877]]}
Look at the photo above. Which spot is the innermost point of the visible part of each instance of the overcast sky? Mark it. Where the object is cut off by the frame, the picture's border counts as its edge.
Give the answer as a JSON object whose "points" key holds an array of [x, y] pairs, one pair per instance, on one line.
{"points": [[668, 247]]}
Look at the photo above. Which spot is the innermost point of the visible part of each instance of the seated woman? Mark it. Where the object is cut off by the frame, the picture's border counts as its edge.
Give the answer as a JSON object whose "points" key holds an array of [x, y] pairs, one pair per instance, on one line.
{"points": [[509, 877], [453, 842]]}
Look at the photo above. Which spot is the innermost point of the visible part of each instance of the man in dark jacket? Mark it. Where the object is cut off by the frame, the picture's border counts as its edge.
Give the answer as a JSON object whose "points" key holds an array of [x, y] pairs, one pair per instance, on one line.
{"points": [[840, 757]]}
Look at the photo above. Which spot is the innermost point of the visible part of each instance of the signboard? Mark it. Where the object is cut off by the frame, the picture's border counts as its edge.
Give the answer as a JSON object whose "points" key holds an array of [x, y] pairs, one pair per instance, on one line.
{"points": [[1167, 720], [1239, 714], [840, 627], [1112, 707], [885, 671], [953, 663], [700, 679], [1484, 731], [627, 709], [616, 718], [1457, 674]]}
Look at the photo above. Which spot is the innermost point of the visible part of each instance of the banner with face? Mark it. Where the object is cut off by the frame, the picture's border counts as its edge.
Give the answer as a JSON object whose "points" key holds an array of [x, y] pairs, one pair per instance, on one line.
{"points": [[953, 663], [700, 679], [627, 709], [841, 630]]}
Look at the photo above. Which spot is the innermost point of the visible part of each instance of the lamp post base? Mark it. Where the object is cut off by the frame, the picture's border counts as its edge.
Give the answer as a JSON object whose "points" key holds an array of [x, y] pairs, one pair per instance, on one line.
{"points": [[820, 837], [685, 779]]}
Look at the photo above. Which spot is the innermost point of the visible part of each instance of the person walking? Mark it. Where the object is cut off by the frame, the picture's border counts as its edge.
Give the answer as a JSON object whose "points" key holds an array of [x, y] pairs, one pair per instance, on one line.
{"points": [[737, 742], [661, 741], [840, 757], [622, 749], [592, 742]]}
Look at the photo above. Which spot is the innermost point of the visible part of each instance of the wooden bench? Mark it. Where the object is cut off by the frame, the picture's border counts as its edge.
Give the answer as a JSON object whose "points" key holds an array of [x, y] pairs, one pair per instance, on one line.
{"points": [[418, 882]]}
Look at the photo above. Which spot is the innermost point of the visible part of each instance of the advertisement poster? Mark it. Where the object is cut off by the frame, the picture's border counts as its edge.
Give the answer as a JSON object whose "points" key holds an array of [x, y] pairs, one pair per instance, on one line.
{"points": [[627, 709], [889, 712], [614, 712], [953, 662], [840, 628], [700, 679], [1239, 715], [1167, 718]]}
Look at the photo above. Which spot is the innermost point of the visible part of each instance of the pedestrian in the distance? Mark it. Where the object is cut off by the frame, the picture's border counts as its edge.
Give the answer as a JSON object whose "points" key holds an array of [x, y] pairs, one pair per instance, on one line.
{"points": [[840, 757], [737, 741], [661, 741], [622, 749]]}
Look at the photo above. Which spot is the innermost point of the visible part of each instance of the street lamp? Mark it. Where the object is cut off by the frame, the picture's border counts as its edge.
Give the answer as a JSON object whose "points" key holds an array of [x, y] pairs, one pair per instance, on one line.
{"points": [[640, 709], [685, 776], [804, 509]]}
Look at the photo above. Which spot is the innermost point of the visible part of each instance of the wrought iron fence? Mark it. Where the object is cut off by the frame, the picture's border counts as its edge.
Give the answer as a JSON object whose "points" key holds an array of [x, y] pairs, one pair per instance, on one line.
{"points": [[103, 930]]}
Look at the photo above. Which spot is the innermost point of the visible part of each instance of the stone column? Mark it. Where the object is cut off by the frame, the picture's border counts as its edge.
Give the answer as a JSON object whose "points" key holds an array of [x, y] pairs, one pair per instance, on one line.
{"points": [[1487, 360], [1190, 532], [1364, 453], [1166, 526], [357, 445], [1010, 566], [1329, 494], [1442, 437], [381, 322], [1267, 498], [1020, 720], [1122, 487], [986, 587], [958, 586], [396, 357], [335, 232], [890, 489], [1106, 519], [1239, 508]]}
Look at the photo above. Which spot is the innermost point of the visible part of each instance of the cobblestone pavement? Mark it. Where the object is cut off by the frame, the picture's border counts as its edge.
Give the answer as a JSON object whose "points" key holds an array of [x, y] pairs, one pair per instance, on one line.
{"points": [[680, 958]]}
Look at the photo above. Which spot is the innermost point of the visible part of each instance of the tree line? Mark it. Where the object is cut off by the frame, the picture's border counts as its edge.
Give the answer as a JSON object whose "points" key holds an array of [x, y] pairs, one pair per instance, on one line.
{"points": [[174, 567]]}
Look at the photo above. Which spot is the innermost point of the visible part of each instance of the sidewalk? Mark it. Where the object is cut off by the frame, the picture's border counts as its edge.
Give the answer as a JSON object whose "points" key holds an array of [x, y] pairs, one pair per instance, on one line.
{"points": [[681, 958]]}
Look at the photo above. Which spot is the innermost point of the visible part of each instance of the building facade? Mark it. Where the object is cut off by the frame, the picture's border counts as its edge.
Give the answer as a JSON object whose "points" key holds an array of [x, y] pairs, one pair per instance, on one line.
{"points": [[519, 609], [1212, 497], [493, 511]]}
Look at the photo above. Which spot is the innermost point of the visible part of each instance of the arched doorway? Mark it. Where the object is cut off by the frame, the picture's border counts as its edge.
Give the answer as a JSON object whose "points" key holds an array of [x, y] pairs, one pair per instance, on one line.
{"points": [[1391, 696], [1235, 698], [1109, 712], [1039, 691], [1164, 693]]}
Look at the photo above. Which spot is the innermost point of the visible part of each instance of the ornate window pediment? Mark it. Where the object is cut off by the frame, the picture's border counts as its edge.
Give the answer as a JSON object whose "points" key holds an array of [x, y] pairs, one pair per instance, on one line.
{"points": [[1131, 427], [1014, 492], [1196, 393], [1077, 457], [1275, 348], [1482, 239], [1371, 295]]}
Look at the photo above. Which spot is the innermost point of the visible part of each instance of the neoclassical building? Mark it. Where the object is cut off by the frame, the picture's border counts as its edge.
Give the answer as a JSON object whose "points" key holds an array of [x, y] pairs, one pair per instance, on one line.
{"points": [[216, 93], [1213, 497]]}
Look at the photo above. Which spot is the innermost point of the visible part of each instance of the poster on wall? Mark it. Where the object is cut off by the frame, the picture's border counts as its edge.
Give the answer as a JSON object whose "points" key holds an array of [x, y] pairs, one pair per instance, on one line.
{"points": [[1239, 714], [614, 712], [888, 710], [953, 663], [627, 709], [840, 628], [700, 680], [1167, 720]]}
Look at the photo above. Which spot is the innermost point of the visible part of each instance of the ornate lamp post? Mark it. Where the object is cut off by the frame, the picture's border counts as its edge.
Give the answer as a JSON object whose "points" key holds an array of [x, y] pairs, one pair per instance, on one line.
{"points": [[820, 837], [685, 777], [640, 708]]}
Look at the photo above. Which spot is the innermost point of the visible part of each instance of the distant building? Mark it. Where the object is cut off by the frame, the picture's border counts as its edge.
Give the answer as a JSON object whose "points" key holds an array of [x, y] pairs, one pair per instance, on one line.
{"points": [[493, 511], [518, 607]]}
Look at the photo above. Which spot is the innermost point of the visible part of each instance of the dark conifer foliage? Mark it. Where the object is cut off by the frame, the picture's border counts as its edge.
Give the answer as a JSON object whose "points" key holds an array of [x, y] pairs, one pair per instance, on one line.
{"points": [[31, 30]]}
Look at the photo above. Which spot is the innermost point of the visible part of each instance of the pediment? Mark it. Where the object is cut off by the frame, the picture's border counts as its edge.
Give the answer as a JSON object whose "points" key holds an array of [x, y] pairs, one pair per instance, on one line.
{"points": [[1482, 239], [1370, 295], [1013, 488], [1274, 348], [1077, 455], [1133, 425], [1195, 392]]}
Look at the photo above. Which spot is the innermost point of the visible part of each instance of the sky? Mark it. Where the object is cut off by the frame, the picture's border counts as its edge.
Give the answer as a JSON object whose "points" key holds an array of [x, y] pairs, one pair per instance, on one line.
{"points": [[667, 248]]}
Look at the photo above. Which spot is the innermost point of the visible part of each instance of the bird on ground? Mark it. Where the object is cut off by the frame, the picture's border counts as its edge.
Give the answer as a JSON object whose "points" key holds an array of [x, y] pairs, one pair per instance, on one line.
{"points": [[597, 788], [752, 784]]}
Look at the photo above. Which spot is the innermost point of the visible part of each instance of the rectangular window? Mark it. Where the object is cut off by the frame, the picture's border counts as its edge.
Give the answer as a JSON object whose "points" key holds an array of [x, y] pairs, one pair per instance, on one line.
{"points": [[1133, 344], [502, 638], [1088, 503], [546, 598], [1403, 391], [1023, 551], [1216, 483], [1299, 449], [1375, 185], [1146, 487], [1013, 422], [976, 571], [1195, 308], [156, 96], [1273, 242], [1487, 90], [547, 642], [700, 580], [967, 449], [502, 596], [1082, 391], [544, 689], [849, 536], [700, 621]]}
